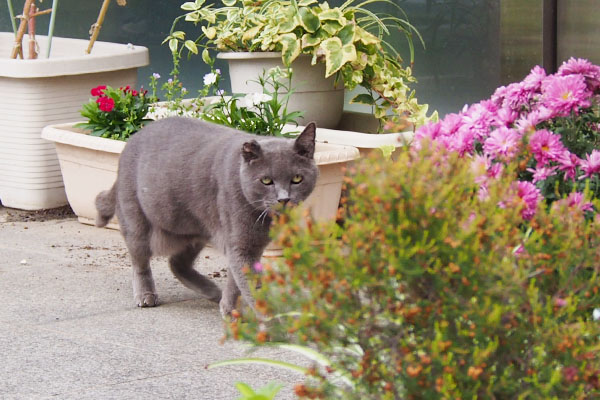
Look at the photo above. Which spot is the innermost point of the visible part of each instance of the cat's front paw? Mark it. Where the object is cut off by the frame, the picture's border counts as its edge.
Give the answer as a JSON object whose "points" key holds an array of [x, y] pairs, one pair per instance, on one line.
{"points": [[226, 308], [147, 299]]}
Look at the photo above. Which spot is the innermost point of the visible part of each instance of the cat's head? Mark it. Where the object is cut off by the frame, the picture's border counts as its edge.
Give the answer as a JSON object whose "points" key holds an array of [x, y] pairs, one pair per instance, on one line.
{"points": [[277, 172]]}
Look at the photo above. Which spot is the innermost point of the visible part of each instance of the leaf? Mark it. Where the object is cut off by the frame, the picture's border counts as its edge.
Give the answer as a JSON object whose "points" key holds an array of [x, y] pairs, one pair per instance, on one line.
{"points": [[191, 46], [290, 48], [331, 27], [173, 45], [365, 37], [290, 23], [309, 20], [363, 98], [313, 39], [244, 389], [209, 32], [189, 6], [336, 55], [259, 361], [346, 34], [229, 3], [333, 14], [304, 3], [387, 150], [206, 57], [251, 33], [178, 35]]}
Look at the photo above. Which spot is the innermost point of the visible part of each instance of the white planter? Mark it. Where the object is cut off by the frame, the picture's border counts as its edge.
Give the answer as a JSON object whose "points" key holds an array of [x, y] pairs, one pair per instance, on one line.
{"points": [[359, 130], [36, 93], [317, 96], [89, 165]]}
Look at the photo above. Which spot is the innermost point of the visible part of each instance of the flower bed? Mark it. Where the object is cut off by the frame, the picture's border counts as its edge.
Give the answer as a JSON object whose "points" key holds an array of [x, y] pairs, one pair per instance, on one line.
{"points": [[549, 124]]}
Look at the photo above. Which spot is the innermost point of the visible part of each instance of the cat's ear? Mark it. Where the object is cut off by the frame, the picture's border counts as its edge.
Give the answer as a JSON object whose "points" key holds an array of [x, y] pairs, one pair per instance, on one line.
{"points": [[251, 150], [305, 143]]}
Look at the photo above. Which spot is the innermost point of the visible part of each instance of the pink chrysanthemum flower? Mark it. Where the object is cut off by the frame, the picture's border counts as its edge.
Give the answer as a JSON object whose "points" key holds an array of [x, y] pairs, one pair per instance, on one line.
{"points": [[542, 173], [545, 146], [568, 163], [533, 81], [502, 143], [577, 200], [530, 195], [479, 118], [583, 67], [564, 94], [591, 164], [450, 124]]}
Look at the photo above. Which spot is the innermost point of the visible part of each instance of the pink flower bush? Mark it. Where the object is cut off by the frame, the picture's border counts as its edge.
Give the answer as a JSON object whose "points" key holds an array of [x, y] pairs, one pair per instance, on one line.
{"points": [[548, 124]]}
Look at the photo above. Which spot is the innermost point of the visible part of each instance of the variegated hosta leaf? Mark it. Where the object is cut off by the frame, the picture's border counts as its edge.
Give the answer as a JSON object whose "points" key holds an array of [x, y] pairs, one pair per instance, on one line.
{"points": [[346, 34], [366, 37], [309, 19], [290, 48], [336, 55]]}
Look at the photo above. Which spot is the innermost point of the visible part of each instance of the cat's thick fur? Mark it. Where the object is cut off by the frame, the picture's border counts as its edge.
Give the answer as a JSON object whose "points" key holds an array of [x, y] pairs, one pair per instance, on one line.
{"points": [[183, 183]]}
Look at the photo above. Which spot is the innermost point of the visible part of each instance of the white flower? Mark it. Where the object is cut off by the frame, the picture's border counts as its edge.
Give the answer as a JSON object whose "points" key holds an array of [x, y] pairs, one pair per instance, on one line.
{"points": [[210, 79], [156, 75], [254, 99], [220, 92], [596, 314]]}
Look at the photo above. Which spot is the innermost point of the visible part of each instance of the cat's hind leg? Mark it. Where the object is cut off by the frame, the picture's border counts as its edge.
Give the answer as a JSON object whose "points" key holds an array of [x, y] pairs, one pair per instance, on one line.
{"points": [[135, 229], [182, 266]]}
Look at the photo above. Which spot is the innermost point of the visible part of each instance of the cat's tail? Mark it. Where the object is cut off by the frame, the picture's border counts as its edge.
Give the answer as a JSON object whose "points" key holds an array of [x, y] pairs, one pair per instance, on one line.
{"points": [[106, 202]]}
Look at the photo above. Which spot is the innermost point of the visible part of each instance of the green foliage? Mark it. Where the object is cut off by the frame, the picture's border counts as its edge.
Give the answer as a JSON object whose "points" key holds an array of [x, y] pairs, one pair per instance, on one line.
{"points": [[260, 113], [267, 392], [426, 291], [350, 40], [116, 113]]}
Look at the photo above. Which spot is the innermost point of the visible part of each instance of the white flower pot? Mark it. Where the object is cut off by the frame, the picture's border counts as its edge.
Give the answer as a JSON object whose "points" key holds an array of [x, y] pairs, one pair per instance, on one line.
{"points": [[36, 93], [317, 96], [89, 165]]}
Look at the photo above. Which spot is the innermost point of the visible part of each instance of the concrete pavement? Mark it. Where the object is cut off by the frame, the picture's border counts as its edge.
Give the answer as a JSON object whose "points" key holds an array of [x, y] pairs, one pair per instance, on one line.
{"points": [[69, 328]]}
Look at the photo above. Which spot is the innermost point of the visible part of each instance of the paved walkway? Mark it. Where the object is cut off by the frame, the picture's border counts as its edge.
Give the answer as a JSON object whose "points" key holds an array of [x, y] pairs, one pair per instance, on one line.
{"points": [[69, 328]]}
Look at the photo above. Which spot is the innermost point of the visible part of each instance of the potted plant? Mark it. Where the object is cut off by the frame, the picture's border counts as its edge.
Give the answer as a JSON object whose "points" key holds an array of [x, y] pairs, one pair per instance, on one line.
{"points": [[336, 41], [49, 90], [89, 151]]}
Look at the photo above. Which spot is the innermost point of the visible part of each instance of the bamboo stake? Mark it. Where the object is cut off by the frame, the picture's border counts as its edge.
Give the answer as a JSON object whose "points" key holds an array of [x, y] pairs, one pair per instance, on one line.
{"points": [[51, 27], [18, 46], [95, 30], [31, 30]]}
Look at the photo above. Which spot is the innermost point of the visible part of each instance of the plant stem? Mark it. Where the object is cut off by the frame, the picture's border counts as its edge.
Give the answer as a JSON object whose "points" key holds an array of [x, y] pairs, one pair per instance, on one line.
{"points": [[31, 31], [95, 31], [11, 13], [51, 27]]}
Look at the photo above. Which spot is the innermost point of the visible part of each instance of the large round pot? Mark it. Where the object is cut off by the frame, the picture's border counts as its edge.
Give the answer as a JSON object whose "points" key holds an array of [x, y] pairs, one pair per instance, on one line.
{"points": [[318, 97]]}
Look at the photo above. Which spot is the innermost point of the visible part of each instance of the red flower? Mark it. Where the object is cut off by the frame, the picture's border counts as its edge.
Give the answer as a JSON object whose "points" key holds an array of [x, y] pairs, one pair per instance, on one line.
{"points": [[98, 91], [134, 93], [105, 104]]}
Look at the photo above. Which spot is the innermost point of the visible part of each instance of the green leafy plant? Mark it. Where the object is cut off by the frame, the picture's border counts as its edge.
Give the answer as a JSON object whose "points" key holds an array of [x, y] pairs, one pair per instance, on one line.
{"points": [[267, 392], [351, 40], [428, 291], [261, 113], [116, 113]]}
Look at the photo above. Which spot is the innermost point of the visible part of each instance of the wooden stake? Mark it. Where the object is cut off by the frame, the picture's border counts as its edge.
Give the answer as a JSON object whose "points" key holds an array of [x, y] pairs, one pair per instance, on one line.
{"points": [[31, 30], [95, 30], [17, 49]]}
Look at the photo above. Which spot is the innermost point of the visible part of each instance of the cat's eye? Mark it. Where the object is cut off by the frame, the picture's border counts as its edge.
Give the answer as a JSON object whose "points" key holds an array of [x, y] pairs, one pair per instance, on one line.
{"points": [[266, 181], [297, 179]]}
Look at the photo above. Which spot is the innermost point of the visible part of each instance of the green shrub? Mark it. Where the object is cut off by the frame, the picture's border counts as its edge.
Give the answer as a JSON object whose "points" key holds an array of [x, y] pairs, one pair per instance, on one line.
{"points": [[427, 292]]}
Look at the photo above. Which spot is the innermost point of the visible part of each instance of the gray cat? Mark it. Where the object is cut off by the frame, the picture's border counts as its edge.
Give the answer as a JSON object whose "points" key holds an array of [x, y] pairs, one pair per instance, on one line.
{"points": [[183, 183]]}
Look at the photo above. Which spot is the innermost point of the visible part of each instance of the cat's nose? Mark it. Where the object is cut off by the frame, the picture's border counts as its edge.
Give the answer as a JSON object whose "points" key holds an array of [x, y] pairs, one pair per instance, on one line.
{"points": [[284, 200]]}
